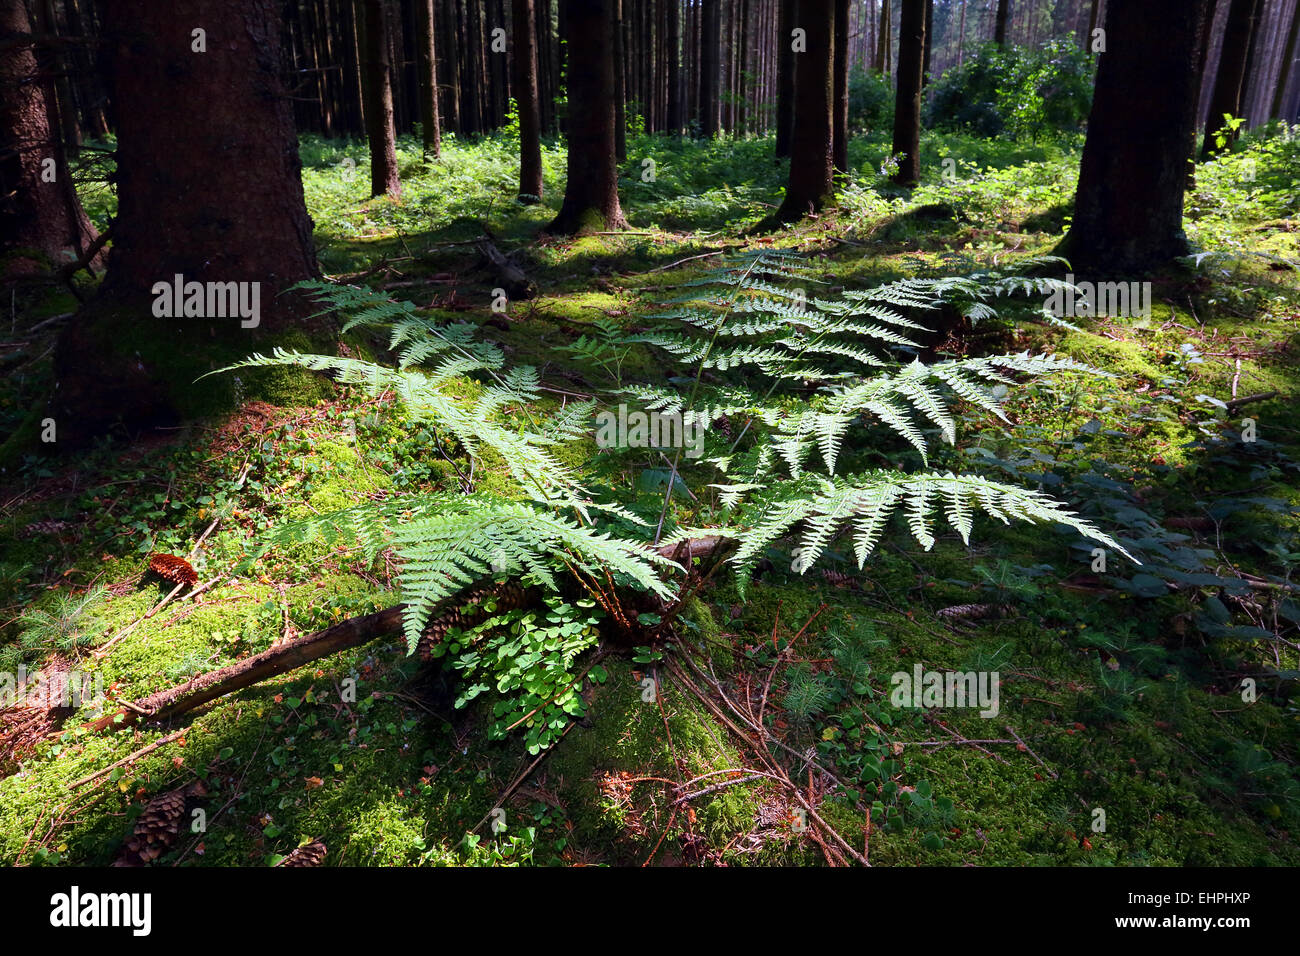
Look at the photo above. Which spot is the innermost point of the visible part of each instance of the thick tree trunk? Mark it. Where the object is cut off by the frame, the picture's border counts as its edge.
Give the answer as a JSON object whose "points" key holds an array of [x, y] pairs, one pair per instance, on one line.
{"points": [[711, 69], [1000, 22], [1128, 214], [907, 105], [525, 83], [38, 203], [591, 192], [212, 193], [429, 120], [1231, 77], [840, 92], [380, 130], [811, 168], [785, 71]]}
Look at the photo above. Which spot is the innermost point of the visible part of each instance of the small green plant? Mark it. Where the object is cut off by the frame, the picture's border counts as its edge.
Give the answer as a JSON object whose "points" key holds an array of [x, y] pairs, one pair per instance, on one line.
{"points": [[69, 624]]}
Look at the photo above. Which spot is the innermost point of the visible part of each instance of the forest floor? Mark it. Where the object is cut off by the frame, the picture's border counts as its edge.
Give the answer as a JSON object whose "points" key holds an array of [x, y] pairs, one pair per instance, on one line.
{"points": [[1121, 690]]}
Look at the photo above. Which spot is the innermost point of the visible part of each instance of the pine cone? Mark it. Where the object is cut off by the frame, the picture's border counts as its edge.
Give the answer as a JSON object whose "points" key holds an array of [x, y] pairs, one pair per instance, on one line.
{"points": [[159, 826], [469, 612], [174, 569], [313, 854]]}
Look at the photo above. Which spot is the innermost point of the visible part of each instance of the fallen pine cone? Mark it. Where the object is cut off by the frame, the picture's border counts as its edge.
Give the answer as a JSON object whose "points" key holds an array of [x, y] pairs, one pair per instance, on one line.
{"points": [[174, 569], [159, 826], [313, 854]]}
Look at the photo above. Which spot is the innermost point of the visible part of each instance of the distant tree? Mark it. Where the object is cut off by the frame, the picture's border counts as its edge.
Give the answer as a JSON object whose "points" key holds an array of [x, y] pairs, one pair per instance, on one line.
{"points": [[213, 194], [711, 69], [428, 65], [1000, 22], [840, 93], [811, 168], [1128, 210], [525, 83], [1230, 80], [1287, 68], [380, 128], [929, 43], [907, 108], [785, 67], [591, 192], [39, 210]]}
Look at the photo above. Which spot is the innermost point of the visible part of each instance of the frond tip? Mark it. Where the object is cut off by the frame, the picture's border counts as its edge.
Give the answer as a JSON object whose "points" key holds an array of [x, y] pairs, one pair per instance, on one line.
{"points": [[865, 503]]}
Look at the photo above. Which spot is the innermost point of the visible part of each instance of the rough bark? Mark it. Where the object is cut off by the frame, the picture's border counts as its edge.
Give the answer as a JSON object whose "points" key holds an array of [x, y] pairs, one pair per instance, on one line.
{"points": [[209, 187], [591, 192], [525, 83], [811, 169], [673, 113], [907, 105], [1128, 214]]}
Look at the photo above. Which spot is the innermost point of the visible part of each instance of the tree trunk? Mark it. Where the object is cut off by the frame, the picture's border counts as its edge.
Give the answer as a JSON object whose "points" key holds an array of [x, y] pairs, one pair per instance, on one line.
{"points": [[525, 84], [674, 39], [961, 32], [1000, 22], [811, 168], [1128, 214], [380, 130], [591, 192], [428, 47], [929, 43], [907, 104], [213, 194], [620, 84], [1230, 79], [885, 39], [711, 69], [840, 92], [1288, 64], [39, 210]]}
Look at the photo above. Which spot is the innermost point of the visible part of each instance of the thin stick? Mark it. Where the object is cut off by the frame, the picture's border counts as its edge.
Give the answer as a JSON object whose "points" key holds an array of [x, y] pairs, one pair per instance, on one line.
{"points": [[1031, 753], [161, 741]]}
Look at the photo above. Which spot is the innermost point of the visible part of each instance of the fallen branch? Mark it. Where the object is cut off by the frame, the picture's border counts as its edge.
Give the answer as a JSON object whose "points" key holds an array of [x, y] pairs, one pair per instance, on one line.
{"points": [[511, 277]]}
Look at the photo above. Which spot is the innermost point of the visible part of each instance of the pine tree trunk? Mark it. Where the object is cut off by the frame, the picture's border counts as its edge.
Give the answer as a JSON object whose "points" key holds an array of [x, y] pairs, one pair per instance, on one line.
{"points": [[929, 43], [811, 168], [711, 69], [785, 69], [591, 191], [620, 83], [212, 194], [840, 92], [907, 105], [39, 210], [1128, 214], [429, 79], [1000, 22], [674, 39], [525, 88], [1288, 66], [1230, 80], [380, 130]]}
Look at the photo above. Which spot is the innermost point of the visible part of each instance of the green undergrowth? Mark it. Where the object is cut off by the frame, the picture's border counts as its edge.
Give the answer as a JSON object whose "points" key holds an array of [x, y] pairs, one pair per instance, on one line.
{"points": [[1122, 688]]}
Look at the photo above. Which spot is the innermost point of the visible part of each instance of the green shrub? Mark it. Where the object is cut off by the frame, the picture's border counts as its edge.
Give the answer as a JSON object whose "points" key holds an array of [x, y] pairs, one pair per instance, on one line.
{"points": [[1015, 90]]}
